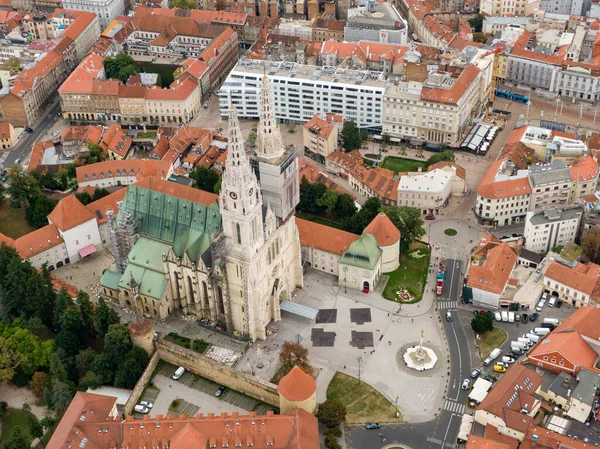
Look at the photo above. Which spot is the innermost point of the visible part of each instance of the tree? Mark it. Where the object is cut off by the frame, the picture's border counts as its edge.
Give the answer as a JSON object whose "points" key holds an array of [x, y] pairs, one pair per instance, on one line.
{"points": [[217, 188], [37, 212], [294, 354], [117, 344], [351, 135], [328, 200], [477, 22], [439, 157], [105, 317], [132, 368], [86, 311], [205, 178], [90, 380], [94, 155], [39, 382], [48, 298], [63, 301], [121, 67], [16, 440], [331, 413], [482, 322], [220, 5], [590, 243], [345, 207], [183, 4], [309, 195], [61, 396], [71, 327], [84, 198], [99, 193], [127, 71], [251, 140], [385, 141], [23, 188], [10, 359], [85, 359], [57, 366], [359, 221], [408, 221]]}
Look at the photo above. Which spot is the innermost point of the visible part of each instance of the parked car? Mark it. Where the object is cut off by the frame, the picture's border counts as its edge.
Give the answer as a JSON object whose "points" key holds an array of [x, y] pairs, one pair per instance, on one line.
{"points": [[533, 317], [55, 133], [524, 318], [141, 409], [18, 161], [489, 378], [558, 304], [372, 426], [517, 317], [540, 305], [497, 316], [178, 373], [499, 369], [487, 361], [476, 372], [220, 391], [28, 130], [147, 404], [466, 384], [504, 364], [430, 217]]}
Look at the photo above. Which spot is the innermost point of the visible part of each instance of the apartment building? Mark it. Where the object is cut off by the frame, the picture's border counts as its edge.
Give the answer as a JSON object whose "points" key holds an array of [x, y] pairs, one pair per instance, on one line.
{"points": [[584, 174], [105, 10], [551, 185], [576, 286], [518, 8], [547, 229], [383, 24], [438, 110], [503, 195], [32, 88], [301, 91], [321, 134]]}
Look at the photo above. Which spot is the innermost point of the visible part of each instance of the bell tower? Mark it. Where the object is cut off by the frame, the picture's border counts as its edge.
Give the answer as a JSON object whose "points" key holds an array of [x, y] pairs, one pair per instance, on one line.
{"points": [[241, 199], [277, 167]]}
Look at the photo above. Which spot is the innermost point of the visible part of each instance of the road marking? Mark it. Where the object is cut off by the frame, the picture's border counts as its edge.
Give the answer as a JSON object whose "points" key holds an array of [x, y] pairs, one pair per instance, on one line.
{"points": [[448, 428], [433, 440], [459, 358], [443, 305], [454, 407]]}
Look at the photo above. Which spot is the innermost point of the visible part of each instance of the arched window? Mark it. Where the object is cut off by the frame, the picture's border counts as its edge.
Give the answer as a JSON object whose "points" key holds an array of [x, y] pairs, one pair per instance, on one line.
{"points": [[220, 300], [239, 234], [191, 288], [205, 291]]}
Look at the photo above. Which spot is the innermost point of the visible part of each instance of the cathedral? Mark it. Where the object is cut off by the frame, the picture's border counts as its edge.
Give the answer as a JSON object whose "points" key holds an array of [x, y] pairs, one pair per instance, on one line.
{"points": [[230, 259]]}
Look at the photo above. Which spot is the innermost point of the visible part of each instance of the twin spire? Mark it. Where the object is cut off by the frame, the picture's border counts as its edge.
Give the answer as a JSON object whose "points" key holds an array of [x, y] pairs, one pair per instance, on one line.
{"points": [[269, 143], [238, 172]]}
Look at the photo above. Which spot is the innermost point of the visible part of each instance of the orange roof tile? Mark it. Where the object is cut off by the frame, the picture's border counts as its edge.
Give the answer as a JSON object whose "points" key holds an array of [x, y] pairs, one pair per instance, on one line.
{"points": [[497, 400], [5, 239], [116, 140], [489, 188], [38, 241], [140, 168], [583, 278], [99, 207], [172, 188], [584, 168], [583, 320], [384, 231], [297, 385], [179, 90], [569, 345], [476, 442], [460, 171], [495, 271], [81, 79], [323, 237], [538, 437], [322, 127], [519, 49], [68, 213], [454, 94]]}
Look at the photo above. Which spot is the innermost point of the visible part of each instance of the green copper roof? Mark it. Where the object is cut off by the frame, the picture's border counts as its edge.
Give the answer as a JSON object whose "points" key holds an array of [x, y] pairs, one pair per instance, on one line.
{"points": [[363, 252], [151, 283], [110, 279], [186, 225], [165, 217], [147, 253]]}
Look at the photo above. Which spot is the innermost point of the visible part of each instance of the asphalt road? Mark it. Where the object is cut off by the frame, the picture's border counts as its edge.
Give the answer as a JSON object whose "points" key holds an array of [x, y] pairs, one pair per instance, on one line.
{"points": [[23, 148], [442, 431]]}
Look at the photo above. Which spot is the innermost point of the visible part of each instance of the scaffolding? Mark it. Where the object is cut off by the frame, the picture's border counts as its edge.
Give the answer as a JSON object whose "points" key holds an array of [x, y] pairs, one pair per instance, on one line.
{"points": [[122, 237]]}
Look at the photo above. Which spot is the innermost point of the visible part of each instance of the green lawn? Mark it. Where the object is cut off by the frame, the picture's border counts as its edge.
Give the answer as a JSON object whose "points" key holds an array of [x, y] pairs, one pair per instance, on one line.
{"points": [[363, 402], [148, 135], [12, 221], [196, 345], [450, 232], [414, 277], [400, 164], [491, 340], [14, 418], [319, 219]]}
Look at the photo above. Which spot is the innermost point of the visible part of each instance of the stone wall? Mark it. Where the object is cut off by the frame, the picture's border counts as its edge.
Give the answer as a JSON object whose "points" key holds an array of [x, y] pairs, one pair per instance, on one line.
{"points": [[215, 371], [141, 384]]}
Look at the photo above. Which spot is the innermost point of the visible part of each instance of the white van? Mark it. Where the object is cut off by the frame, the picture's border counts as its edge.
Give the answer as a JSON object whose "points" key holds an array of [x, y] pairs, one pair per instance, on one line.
{"points": [[141, 409], [508, 360], [177, 374], [540, 305], [552, 301], [525, 341], [511, 317], [505, 316], [495, 354], [541, 331], [551, 321], [533, 338]]}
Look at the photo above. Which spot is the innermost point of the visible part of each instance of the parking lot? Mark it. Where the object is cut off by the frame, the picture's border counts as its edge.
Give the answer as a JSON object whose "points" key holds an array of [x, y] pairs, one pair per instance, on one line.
{"points": [[192, 394]]}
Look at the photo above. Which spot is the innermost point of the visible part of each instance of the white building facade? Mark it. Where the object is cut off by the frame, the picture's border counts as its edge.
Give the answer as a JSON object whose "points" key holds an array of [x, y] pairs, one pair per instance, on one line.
{"points": [[553, 227], [106, 10], [428, 191]]}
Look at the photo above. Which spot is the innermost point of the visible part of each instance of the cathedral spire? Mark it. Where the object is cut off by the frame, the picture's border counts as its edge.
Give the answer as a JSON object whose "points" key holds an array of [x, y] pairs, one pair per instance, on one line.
{"points": [[238, 172], [269, 143]]}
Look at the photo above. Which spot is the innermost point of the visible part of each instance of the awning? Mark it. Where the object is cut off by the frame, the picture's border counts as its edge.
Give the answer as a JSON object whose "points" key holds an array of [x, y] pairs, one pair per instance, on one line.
{"points": [[415, 143], [87, 250], [299, 309]]}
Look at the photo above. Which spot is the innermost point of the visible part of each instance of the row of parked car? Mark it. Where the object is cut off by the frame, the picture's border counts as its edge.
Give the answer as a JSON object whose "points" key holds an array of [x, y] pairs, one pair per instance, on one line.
{"points": [[512, 317]]}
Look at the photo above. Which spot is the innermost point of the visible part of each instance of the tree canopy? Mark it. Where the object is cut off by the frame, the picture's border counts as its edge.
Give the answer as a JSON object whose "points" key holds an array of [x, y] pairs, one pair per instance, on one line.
{"points": [[294, 354], [439, 157], [408, 221], [352, 136], [121, 66], [477, 22], [184, 4], [590, 243], [482, 322], [205, 179]]}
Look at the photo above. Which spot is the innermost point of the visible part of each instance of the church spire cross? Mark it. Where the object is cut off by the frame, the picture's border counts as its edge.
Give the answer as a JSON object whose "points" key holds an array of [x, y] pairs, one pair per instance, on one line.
{"points": [[269, 143]]}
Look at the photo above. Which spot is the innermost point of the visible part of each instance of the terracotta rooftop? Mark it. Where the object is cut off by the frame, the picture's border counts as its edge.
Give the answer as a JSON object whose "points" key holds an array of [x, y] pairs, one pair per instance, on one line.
{"points": [[323, 237], [322, 127], [489, 188], [460, 171], [68, 213], [109, 202], [38, 241], [454, 94], [140, 168], [384, 231], [476, 442], [297, 385], [178, 190], [582, 278], [584, 168], [583, 320], [495, 271], [513, 393], [520, 49], [569, 345], [540, 438]]}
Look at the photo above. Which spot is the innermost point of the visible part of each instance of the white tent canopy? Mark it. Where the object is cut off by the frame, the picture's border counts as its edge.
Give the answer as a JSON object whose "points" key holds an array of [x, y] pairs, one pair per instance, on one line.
{"points": [[477, 395], [465, 427], [482, 384]]}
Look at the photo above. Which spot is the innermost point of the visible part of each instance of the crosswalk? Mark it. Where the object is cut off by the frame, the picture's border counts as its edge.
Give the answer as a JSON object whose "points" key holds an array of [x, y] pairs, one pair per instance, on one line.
{"points": [[454, 407], [444, 305]]}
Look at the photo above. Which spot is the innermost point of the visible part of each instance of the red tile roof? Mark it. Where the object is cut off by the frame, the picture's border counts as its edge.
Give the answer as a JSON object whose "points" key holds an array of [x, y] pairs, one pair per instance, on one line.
{"points": [[178, 190], [582, 278], [569, 345], [323, 237], [109, 202], [519, 49], [38, 241], [583, 320], [495, 271], [453, 95], [81, 79], [540, 438], [384, 231], [489, 188], [584, 168], [460, 171], [476, 442], [322, 127], [297, 385], [518, 382], [141, 168], [68, 213], [116, 140]]}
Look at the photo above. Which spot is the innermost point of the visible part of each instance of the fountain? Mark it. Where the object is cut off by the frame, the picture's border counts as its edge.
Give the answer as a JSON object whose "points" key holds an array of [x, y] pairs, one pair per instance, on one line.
{"points": [[420, 358]]}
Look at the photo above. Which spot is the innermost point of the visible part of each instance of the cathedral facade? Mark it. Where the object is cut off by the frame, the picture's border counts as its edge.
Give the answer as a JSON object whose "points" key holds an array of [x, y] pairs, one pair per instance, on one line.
{"points": [[230, 261]]}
